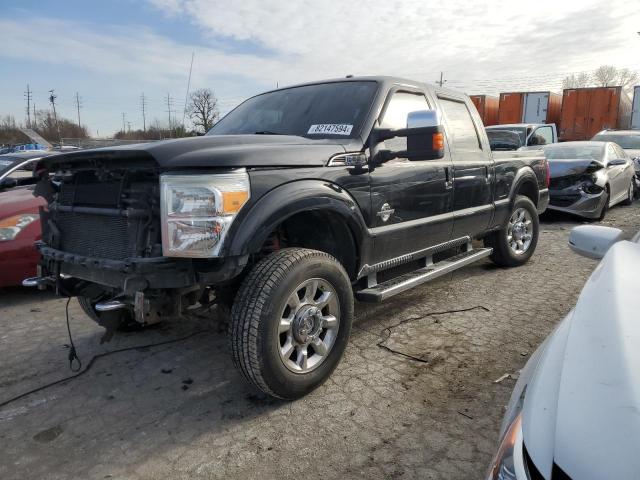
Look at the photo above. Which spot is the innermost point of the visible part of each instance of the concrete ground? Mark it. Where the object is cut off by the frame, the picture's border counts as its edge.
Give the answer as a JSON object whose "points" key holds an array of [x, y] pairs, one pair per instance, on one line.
{"points": [[414, 396]]}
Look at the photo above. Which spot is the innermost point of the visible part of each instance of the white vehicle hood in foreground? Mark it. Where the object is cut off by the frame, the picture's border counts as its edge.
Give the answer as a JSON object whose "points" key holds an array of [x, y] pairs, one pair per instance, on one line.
{"points": [[582, 405]]}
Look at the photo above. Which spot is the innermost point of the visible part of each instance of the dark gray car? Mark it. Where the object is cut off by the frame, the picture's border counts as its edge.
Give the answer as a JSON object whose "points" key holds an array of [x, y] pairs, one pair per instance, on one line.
{"points": [[589, 177]]}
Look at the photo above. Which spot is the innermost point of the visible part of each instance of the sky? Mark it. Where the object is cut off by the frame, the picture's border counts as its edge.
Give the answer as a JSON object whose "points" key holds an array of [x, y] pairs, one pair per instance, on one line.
{"points": [[112, 52]]}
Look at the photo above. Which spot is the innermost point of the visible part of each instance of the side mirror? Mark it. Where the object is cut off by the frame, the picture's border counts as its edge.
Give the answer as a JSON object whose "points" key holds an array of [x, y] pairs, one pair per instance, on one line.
{"points": [[593, 241], [616, 162], [424, 134]]}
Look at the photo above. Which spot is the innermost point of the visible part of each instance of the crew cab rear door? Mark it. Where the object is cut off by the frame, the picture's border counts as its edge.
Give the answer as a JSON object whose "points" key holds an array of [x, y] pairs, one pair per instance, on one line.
{"points": [[411, 200], [473, 169]]}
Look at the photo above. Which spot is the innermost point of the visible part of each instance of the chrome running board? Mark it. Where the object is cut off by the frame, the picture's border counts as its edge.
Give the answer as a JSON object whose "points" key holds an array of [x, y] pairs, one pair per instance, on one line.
{"points": [[394, 286]]}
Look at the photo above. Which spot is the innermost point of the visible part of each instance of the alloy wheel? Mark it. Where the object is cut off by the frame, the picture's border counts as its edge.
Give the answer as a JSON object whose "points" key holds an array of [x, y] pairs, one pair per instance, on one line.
{"points": [[308, 325]]}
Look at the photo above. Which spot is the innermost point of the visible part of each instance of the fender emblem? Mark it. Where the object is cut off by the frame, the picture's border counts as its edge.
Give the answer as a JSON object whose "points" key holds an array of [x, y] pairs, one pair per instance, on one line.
{"points": [[385, 212]]}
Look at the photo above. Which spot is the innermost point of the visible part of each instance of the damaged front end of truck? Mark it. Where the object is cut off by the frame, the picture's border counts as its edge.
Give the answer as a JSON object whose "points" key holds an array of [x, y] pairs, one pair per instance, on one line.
{"points": [[102, 235]]}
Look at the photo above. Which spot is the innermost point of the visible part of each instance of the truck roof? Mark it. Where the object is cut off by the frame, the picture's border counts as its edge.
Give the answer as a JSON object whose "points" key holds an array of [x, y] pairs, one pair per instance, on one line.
{"points": [[383, 79]]}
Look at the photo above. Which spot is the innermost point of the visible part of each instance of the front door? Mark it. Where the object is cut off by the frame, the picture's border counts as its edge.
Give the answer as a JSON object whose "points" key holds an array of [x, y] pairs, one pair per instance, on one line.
{"points": [[411, 200], [472, 168]]}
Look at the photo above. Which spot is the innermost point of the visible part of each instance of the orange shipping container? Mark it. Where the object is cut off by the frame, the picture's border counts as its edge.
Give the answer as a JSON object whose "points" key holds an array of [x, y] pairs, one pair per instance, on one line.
{"points": [[586, 111], [487, 108], [529, 107]]}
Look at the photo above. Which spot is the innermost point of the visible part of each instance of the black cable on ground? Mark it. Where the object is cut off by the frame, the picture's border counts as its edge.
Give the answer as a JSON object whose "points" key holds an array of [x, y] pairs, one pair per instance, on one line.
{"points": [[92, 361], [73, 355], [387, 331]]}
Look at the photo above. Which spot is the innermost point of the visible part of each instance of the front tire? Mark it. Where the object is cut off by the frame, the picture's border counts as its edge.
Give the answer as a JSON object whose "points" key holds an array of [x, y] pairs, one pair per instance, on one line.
{"points": [[514, 244], [290, 322]]}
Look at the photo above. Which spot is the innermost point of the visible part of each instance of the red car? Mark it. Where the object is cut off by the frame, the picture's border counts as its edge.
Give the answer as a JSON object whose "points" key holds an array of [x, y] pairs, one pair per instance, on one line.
{"points": [[19, 221]]}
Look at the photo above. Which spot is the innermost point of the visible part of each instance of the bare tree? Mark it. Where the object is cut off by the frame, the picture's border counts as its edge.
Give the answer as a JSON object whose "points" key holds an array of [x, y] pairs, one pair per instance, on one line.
{"points": [[608, 75], [576, 81], [627, 78], [203, 109], [605, 76]]}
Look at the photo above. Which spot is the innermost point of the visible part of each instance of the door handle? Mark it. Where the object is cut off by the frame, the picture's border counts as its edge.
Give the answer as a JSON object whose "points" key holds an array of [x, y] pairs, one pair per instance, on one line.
{"points": [[487, 174], [448, 178]]}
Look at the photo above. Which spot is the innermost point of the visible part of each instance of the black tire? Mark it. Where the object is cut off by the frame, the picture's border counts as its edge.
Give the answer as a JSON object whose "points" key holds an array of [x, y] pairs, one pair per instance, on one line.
{"points": [[630, 194], [605, 205], [502, 254], [254, 336], [121, 320]]}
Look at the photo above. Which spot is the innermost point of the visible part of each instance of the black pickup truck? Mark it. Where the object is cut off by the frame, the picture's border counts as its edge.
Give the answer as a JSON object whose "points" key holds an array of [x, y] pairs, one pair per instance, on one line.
{"points": [[295, 203]]}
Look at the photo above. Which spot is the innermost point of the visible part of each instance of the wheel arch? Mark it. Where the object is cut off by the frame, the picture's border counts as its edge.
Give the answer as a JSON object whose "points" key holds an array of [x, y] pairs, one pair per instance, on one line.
{"points": [[316, 208]]}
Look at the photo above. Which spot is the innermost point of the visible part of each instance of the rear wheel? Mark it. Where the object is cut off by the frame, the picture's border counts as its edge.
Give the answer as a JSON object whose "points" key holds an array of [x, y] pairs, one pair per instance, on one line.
{"points": [[514, 244], [290, 321]]}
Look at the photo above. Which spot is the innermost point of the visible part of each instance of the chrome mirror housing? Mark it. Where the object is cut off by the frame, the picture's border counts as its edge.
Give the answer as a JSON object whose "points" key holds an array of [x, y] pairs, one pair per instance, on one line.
{"points": [[423, 118]]}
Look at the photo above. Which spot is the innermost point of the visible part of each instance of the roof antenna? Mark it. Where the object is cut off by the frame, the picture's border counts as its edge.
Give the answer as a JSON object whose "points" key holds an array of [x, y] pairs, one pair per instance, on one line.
{"points": [[349, 76]]}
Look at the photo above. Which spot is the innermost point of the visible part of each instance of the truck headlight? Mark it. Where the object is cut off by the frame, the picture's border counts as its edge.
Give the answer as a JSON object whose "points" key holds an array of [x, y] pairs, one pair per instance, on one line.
{"points": [[197, 210], [12, 226]]}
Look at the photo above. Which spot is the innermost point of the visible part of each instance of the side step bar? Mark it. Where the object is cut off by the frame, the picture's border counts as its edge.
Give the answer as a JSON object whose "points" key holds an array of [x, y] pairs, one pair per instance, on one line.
{"points": [[382, 291]]}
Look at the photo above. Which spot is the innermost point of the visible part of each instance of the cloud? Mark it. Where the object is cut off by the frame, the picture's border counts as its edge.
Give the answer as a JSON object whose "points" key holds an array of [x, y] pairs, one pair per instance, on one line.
{"points": [[244, 47], [418, 38]]}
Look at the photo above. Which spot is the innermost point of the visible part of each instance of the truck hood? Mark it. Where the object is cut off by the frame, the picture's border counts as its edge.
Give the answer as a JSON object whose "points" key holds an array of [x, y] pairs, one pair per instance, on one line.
{"points": [[582, 404], [223, 151]]}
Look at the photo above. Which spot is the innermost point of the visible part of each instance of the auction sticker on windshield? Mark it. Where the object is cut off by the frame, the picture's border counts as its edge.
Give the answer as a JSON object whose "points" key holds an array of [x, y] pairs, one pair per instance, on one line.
{"points": [[330, 128]]}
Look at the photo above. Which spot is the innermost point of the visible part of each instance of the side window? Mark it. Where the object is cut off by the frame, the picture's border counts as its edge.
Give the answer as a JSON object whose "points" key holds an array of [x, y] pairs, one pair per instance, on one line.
{"points": [[462, 131], [395, 115], [620, 153], [542, 136], [611, 153]]}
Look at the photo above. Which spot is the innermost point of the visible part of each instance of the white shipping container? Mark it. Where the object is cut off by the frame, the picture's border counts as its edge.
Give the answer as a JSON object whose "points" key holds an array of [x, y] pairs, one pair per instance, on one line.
{"points": [[635, 110], [536, 105]]}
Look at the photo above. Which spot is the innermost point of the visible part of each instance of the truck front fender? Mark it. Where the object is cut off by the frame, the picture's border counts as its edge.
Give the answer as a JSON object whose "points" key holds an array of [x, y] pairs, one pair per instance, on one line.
{"points": [[251, 229]]}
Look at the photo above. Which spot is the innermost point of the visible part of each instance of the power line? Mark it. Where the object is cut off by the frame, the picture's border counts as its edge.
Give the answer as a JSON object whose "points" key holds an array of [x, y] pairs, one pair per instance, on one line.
{"points": [[186, 97]]}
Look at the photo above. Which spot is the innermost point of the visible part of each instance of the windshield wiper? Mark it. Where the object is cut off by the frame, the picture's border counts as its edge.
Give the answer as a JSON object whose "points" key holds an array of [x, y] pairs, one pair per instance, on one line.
{"points": [[267, 132]]}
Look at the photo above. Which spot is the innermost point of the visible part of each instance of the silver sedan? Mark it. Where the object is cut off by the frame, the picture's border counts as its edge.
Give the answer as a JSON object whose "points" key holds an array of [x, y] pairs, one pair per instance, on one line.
{"points": [[589, 177]]}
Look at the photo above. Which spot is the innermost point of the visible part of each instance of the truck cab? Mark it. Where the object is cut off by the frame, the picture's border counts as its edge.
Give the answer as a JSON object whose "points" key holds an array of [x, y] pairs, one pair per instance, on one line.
{"points": [[294, 204]]}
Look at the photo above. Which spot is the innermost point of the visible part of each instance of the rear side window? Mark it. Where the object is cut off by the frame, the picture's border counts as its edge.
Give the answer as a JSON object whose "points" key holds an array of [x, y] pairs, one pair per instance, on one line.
{"points": [[395, 115], [462, 131]]}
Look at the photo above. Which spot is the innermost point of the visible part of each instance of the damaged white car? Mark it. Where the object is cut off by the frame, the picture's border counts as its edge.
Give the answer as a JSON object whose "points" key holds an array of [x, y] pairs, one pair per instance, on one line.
{"points": [[575, 410]]}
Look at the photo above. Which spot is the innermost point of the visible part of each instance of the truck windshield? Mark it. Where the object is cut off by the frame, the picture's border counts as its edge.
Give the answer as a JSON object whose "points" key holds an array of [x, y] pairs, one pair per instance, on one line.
{"points": [[631, 142], [326, 110]]}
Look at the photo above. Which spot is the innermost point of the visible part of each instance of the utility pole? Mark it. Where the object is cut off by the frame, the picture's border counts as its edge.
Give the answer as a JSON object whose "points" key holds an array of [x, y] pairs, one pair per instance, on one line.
{"points": [[169, 105], [27, 95], [78, 107], [129, 125], [52, 99], [123, 123], [186, 97], [35, 118], [442, 81], [143, 102]]}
